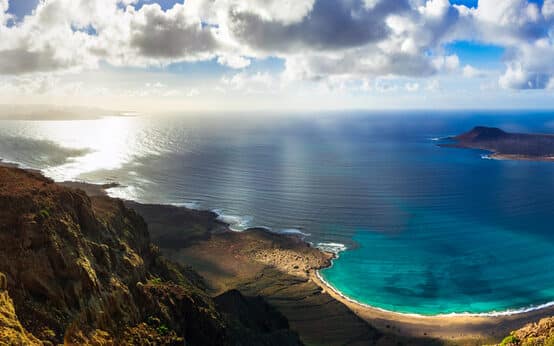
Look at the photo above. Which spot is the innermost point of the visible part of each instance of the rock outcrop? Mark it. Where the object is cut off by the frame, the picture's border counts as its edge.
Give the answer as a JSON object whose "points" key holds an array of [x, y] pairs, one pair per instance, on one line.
{"points": [[10, 326], [83, 271], [534, 334]]}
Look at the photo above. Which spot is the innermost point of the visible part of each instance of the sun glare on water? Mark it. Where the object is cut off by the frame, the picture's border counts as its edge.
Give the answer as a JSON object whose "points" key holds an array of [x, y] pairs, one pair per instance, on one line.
{"points": [[109, 142]]}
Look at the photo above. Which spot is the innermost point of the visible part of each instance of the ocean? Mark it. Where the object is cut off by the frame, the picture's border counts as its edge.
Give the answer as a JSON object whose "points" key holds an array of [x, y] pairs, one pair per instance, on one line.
{"points": [[420, 229]]}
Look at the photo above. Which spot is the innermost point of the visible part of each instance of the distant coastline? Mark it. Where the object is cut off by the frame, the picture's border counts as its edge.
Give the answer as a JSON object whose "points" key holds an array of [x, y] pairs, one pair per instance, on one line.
{"points": [[505, 145], [46, 112]]}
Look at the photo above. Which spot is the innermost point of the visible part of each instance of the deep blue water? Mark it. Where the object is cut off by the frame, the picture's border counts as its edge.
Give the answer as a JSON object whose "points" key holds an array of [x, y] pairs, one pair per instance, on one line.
{"points": [[429, 230]]}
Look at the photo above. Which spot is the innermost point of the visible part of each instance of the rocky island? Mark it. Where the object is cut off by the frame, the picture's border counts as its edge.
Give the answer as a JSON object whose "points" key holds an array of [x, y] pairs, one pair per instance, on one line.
{"points": [[505, 145]]}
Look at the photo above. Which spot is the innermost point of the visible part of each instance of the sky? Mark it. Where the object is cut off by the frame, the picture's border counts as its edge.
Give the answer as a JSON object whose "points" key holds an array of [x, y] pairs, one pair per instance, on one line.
{"points": [[169, 55]]}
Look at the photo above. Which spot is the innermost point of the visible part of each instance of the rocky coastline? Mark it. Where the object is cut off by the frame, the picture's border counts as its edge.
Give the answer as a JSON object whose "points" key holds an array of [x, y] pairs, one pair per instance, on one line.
{"points": [[82, 267]]}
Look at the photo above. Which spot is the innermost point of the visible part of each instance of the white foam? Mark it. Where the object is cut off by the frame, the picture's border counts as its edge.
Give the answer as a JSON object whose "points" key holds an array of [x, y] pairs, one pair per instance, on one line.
{"points": [[236, 223], [189, 205], [129, 193], [335, 248], [293, 231], [486, 157]]}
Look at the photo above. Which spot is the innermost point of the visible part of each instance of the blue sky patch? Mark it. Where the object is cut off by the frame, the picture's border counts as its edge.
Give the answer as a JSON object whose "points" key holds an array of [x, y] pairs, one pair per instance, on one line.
{"points": [[477, 54], [21, 8], [164, 4], [468, 3]]}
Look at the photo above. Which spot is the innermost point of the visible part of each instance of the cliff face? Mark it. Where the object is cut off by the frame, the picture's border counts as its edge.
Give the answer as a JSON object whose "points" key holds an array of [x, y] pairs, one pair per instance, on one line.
{"points": [[83, 270]]}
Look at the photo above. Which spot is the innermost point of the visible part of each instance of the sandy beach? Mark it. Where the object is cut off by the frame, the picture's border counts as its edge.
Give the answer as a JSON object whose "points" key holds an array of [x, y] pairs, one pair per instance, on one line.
{"points": [[468, 328]]}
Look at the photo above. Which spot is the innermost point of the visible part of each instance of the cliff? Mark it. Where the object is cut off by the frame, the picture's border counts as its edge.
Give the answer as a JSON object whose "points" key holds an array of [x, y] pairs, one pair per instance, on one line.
{"points": [[82, 270]]}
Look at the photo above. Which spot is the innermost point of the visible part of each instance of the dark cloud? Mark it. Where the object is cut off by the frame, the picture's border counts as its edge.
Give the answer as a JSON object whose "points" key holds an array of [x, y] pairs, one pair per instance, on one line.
{"points": [[331, 25], [170, 34], [21, 61]]}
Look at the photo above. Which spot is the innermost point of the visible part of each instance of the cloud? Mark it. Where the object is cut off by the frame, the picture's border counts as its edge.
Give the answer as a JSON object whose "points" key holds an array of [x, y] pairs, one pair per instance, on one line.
{"points": [[252, 83], [448, 63], [233, 61], [4, 15], [525, 29], [471, 72], [412, 87], [172, 34], [316, 38], [283, 11], [78, 34], [433, 85], [331, 24], [319, 40], [516, 77]]}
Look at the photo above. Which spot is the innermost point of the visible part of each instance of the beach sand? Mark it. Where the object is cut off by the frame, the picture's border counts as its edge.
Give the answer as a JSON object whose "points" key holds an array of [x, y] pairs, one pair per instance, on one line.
{"points": [[465, 329]]}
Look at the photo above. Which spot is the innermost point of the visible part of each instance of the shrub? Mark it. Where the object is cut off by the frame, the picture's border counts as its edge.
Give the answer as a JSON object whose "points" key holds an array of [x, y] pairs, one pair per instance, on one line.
{"points": [[155, 281], [162, 329], [510, 340], [44, 213]]}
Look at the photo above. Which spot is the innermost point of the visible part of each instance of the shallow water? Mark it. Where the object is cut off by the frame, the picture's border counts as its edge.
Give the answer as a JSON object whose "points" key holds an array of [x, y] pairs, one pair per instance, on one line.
{"points": [[428, 230]]}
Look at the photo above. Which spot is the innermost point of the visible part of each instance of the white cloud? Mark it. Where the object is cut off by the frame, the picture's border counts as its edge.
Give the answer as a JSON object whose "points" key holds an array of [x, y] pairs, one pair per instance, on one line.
{"points": [[516, 77], [525, 30], [251, 83], [472, 72], [548, 9], [447, 63], [193, 92], [284, 11], [321, 40], [4, 16], [412, 87], [234, 61], [433, 85], [385, 85]]}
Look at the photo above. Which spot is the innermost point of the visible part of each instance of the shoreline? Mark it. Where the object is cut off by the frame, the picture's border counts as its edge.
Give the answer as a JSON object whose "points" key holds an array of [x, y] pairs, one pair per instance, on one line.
{"points": [[491, 314], [458, 326], [510, 157]]}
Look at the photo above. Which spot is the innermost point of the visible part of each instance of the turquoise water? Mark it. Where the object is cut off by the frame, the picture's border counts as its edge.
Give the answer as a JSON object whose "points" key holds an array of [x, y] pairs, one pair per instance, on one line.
{"points": [[427, 230]]}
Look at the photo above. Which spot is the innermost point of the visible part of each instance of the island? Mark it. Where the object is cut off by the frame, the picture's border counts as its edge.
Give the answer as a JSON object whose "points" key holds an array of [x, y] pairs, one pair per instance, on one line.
{"points": [[504, 145]]}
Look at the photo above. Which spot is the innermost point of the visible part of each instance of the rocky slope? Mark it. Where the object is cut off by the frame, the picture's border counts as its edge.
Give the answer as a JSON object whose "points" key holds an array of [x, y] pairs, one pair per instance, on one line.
{"points": [[533, 334], [83, 271]]}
